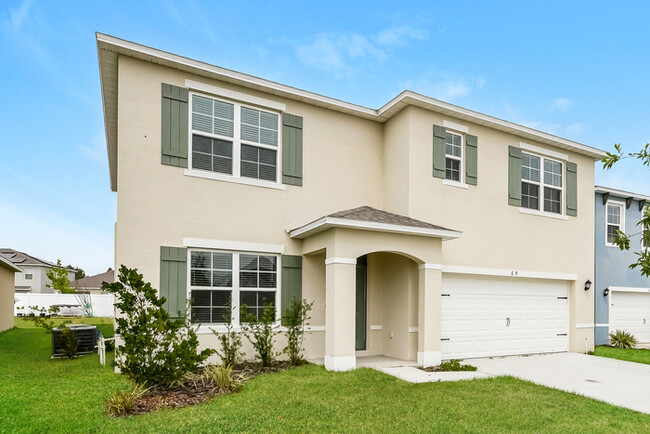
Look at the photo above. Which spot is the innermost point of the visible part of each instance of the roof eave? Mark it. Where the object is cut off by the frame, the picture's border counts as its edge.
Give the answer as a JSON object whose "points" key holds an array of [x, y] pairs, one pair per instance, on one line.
{"points": [[622, 193], [326, 223], [7, 263]]}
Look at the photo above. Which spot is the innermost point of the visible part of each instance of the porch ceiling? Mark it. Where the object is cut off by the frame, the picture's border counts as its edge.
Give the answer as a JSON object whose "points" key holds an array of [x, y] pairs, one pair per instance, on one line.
{"points": [[372, 219]]}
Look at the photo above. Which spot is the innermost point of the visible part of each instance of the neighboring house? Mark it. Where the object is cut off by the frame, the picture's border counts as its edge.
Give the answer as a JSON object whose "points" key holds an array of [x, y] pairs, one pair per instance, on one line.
{"points": [[420, 230], [33, 277], [622, 294], [93, 284], [7, 272]]}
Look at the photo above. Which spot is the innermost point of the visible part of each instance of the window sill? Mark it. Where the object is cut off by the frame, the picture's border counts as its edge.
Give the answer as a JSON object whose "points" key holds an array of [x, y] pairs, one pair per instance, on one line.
{"points": [[206, 329], [543, 214], [455, 184], [228, 178]]}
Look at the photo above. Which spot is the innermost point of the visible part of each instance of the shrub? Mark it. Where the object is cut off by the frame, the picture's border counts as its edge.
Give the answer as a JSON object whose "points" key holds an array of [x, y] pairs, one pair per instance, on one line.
{"points": [[221, 376], [261, 333], [231, 343], [455, 365], [156, 349], [622, 340], [123, 402], [296, 317]]}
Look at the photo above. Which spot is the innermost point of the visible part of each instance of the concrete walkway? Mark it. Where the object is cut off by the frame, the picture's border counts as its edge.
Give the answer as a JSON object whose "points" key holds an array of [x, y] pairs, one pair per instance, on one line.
{"points": [[409, 371], [617, 382]]}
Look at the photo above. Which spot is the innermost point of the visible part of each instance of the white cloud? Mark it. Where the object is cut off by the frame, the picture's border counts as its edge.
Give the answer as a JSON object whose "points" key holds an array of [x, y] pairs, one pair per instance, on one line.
{"points": [[449, 89], [51, 237], [96, 151], [341, 53], [561, 104], [575, 128], [401, 35], [20, 14]]}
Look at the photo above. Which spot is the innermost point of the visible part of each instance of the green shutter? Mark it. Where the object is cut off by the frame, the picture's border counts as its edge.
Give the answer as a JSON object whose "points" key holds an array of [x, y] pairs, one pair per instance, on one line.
{"points": [[514, 176], [291, 282], [471, 159], [439, 154], [291, 149], [571, 189], [174, 125], [173, 280]]}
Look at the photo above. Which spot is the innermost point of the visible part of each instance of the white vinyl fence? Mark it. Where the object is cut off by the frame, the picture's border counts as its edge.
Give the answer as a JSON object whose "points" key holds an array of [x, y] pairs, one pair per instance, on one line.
{"points": [[70, 304]]}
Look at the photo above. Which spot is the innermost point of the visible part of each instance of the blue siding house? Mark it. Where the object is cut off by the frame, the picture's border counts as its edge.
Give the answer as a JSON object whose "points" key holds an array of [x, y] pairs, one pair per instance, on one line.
{"points": [[622, 295]]}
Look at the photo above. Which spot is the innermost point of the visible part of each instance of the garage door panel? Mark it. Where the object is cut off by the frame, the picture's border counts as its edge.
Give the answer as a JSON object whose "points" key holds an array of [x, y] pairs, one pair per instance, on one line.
{"points": [[630, 311], [483, 317]]}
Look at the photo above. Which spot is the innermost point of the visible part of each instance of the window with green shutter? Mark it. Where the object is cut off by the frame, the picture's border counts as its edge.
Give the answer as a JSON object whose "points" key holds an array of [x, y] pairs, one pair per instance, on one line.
{"points": [[291, 149], [291, 281], [174, 125], [571, 189], [173, 280], [514, 176]]}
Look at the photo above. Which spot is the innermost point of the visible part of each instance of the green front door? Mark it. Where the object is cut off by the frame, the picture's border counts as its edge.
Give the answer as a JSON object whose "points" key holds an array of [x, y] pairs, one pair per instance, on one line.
{"points": [[361, 302]]}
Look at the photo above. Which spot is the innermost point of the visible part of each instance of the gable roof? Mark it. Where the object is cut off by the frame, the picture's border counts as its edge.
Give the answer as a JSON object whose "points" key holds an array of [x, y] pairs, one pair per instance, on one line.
{"points": [[8, 264], [110, 47], [369, 218], [94, 282]]}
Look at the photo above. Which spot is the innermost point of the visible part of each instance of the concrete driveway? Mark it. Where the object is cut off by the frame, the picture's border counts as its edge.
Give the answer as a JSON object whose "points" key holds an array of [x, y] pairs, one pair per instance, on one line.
{"points": [[617, 382]]}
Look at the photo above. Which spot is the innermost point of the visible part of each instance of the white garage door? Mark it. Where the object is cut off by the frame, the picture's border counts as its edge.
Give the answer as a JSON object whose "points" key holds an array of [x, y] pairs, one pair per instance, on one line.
{"points": [[483, 317], [630, 311]]}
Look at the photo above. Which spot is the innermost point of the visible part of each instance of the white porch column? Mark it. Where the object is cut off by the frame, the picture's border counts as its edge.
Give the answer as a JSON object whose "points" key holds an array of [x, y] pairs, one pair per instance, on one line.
{"points": [[429, 309], [340, 314]]}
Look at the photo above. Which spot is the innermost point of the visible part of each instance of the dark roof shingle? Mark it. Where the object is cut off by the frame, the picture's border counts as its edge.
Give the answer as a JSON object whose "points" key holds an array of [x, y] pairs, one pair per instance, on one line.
{"points": [[370, 214]]}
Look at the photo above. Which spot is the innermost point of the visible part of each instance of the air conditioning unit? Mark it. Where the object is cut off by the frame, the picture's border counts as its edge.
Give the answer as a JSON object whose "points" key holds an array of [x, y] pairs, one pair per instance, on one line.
{"points": [[85, 334]]}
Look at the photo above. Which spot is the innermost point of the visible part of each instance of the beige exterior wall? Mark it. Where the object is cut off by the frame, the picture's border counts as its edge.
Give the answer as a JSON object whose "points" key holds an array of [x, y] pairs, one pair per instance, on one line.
{"points": [[6, 298], [348, 162]]}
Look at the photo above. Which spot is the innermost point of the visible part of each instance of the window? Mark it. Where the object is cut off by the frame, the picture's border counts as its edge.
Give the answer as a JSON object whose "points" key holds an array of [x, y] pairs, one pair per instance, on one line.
{"points": [[232, 139], [454, 156], [215, 277], [29, 276], [541, 183], [614, 221]]}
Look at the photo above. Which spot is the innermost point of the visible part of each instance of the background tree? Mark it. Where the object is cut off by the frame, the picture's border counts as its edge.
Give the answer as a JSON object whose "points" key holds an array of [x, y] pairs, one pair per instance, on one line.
{"points": [[79, 273], [643, 227], [59, 278]]}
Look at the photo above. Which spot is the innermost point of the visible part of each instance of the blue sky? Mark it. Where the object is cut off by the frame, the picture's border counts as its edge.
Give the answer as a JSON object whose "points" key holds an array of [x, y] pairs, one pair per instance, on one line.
{"points": [[575, 69]]}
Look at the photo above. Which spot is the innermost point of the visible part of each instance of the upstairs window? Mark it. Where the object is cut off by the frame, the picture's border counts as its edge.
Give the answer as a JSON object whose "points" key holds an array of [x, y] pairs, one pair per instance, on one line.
{"points": [[232, 139], [614, 222], [541, 183], [454, 156]]}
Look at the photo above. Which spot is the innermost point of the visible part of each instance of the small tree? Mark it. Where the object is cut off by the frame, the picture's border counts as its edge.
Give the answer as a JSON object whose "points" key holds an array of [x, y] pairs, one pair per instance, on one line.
{"points": [[261, 334], [231, 344], [156, 348], [79, 273], [296, 317], [59, 278], [622, 239]]}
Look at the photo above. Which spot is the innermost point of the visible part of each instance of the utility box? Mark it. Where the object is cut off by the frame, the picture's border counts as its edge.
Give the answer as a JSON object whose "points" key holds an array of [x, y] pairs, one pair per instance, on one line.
{"points": [[85, 334]]}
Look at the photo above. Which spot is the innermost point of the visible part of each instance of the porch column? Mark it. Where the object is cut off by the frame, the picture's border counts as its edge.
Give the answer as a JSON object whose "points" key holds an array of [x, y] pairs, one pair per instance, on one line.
{"points": [[340, 314], [429, 309]]}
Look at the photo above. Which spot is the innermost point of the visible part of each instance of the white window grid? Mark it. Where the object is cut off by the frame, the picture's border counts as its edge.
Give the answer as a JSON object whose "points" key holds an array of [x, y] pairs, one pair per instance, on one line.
{"points": [[542, 182], [620, 207], [456, 157], [235, 288], [236, 139]]}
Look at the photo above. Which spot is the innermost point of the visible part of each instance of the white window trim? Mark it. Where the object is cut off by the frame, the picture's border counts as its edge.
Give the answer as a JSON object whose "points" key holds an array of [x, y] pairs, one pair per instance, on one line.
{"points": [[542, 186], [455, 183], [543, 151], [235, 289], [454, 126], [31, 273], [620, 205], [234, 95], [461, 177], [237, 143]]}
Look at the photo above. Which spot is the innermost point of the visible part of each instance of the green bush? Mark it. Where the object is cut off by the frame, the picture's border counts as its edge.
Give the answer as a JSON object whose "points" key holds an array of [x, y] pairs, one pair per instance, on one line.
{"points": [[123, 402], [156, 349], [296, 316], [622, 340], [260, 333], [455, 365], [231, 344]]}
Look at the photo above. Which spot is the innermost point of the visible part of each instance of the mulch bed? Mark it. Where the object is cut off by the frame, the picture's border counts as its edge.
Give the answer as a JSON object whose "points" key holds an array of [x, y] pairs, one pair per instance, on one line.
{"points": [[190, 393]]}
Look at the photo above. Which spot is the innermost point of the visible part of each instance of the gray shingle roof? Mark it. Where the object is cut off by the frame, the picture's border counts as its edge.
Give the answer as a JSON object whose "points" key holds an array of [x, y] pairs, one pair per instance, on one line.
{"points": [[370, 214], [23, 259], [94, 282]]}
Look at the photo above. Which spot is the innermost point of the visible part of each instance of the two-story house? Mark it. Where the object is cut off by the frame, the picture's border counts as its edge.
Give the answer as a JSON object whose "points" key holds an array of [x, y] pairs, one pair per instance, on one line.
{"points": [[622, 294], [32, 276], [420, 230]]}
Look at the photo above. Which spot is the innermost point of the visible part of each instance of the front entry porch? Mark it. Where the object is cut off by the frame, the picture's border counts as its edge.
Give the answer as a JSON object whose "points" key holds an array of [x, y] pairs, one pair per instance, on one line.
{"points": [[404, 279]]}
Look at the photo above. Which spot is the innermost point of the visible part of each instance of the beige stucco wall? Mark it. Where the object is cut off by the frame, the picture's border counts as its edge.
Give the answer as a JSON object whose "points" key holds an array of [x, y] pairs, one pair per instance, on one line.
{"points": [[6, 298], [348, 162]]}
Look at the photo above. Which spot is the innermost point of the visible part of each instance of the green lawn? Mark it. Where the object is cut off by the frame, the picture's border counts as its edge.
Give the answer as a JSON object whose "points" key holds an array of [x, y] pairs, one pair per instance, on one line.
{"points": [[39, 394], [639, 356]]}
